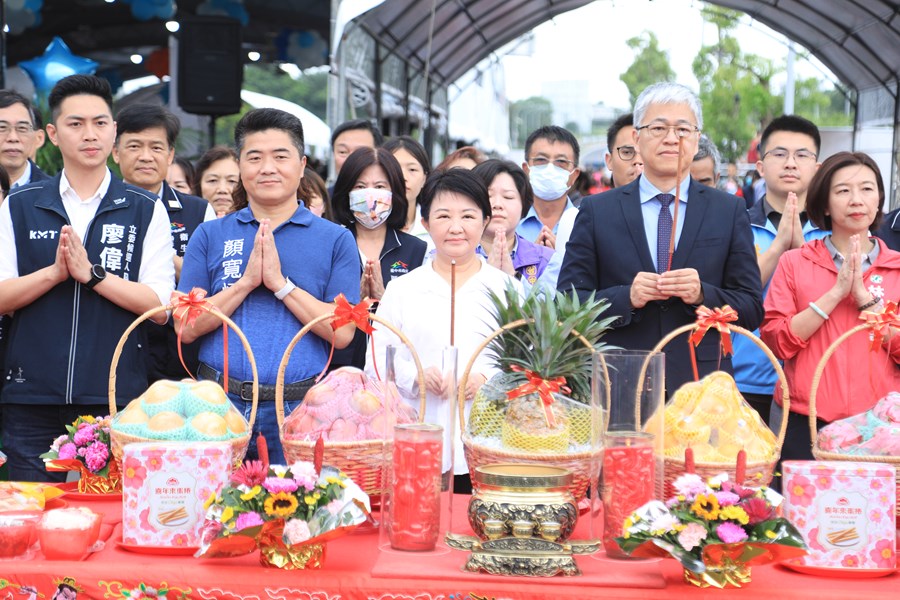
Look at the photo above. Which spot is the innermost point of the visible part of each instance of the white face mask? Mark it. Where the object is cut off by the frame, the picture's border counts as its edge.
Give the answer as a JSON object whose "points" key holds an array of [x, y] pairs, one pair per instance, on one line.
{"points": [[549, 182], [370, 206]]}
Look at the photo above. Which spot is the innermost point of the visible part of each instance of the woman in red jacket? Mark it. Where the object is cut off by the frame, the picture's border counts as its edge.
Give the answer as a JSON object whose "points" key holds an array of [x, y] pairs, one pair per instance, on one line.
{"points": [[819, 291]]}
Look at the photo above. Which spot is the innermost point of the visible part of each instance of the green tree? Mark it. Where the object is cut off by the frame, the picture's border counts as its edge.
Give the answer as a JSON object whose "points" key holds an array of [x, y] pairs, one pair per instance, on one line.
{"points": [[527, 115], [824, 107], [651, 65], [735, 87]]}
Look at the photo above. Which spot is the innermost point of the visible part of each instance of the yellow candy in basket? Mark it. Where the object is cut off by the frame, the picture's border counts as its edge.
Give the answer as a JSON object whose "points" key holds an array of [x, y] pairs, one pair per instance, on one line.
{"points": [[712, 417]]}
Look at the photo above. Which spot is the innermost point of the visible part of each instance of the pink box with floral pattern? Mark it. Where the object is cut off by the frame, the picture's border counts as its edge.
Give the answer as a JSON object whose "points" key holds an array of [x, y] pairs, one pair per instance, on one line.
{"points": [[164, 488], [845, 511]]}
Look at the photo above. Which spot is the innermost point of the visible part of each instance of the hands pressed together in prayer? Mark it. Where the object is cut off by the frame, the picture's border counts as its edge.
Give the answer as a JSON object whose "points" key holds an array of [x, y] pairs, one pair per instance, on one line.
{"points": [[264, 264], [679, 283], [371, 284], [71, 257], [499, 255]]}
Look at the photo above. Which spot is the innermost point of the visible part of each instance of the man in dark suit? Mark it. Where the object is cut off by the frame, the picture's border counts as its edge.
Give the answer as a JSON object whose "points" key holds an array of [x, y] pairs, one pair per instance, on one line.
{"points": [[18, 139], [144, 149], [620, 243]]}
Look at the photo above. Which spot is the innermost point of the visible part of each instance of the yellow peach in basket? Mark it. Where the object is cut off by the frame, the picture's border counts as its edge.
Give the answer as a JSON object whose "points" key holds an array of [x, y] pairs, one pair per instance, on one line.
{"points": [[235, 422], [161, 391], [210, 424], [132, 415], [704, 452], [210, 392], [165, 421], [692, 431]]}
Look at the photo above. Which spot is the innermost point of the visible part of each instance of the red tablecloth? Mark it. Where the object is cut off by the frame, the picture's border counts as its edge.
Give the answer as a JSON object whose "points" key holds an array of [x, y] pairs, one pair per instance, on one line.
{"points": [[354, 568]]}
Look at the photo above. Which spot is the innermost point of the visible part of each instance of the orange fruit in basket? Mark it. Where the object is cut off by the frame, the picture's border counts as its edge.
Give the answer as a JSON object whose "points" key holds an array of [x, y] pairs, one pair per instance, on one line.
{"points": [[685, 398], [235, 422], [210, 392], [210, 424], [691, 431], [133, 414], [365, 402], [161, 391], [165, 421]]}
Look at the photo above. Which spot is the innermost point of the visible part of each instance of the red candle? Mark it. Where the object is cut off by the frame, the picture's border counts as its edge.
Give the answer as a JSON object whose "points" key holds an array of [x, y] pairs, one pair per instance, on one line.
{"points": [[628, 480], [414, 513]]}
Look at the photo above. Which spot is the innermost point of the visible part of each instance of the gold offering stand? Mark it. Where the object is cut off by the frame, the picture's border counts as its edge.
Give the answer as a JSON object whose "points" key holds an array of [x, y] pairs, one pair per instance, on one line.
{"points": [[530, 557]]}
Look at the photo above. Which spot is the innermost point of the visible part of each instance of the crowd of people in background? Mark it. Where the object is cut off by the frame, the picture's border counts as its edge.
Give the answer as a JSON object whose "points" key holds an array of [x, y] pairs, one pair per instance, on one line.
{"points": [[790, 246]]}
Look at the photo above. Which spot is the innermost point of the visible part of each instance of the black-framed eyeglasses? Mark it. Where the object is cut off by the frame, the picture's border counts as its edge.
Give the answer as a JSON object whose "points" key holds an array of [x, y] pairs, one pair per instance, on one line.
{"points": [[21, 128], [782, 154], [657, 130], [626, 152], [562, 163]]}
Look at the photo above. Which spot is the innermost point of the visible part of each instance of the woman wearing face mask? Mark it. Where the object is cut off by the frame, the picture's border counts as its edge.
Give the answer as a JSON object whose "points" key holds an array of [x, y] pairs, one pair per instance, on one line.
{"points": [[370, 200], [511, 197]]}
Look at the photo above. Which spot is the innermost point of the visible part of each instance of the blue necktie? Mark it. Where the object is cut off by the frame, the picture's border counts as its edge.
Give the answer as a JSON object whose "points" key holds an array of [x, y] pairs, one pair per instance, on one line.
{"points": [[663, 233]]}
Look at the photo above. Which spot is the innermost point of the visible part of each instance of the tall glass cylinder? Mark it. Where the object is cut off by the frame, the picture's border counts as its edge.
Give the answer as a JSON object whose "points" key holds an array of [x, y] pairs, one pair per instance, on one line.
{"points": [[631, 384], [413, 520], [452, 440]]}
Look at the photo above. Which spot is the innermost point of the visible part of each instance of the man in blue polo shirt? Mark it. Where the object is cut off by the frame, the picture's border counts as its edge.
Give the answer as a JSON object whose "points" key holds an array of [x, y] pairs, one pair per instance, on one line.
{"points": [[272, 267]]}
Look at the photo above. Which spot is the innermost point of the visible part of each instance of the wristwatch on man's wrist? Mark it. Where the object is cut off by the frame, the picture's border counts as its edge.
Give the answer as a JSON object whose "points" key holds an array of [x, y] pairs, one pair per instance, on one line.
{"points": [[98, 274]]}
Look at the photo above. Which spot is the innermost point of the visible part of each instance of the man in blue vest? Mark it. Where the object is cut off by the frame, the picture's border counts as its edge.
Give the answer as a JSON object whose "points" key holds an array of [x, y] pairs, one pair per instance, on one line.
{"points": [[788, 152], [144, 149], [80, 256]]}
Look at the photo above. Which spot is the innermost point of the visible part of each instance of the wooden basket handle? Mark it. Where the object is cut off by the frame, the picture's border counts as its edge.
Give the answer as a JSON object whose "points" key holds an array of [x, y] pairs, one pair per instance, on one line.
{"points": [[169, 307], [817, 375], [461, 392], [785, 393], [285, 359]]}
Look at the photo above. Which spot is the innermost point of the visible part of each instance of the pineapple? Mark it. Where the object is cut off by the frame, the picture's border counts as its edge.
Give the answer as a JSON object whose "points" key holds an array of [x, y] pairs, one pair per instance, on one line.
{"points": [[546, 346]]}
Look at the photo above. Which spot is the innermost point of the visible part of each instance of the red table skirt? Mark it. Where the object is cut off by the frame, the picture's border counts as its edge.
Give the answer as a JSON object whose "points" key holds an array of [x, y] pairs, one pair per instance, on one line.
{"points": [[354, 568]]}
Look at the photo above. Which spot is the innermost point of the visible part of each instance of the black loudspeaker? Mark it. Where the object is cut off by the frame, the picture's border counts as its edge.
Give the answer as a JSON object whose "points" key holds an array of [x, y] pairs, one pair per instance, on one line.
{"points": [[210, 66]]}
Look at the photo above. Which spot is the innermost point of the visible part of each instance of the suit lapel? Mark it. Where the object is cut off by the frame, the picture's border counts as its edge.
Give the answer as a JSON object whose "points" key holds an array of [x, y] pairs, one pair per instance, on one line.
{"points": [[630, 200], [697, 205]]}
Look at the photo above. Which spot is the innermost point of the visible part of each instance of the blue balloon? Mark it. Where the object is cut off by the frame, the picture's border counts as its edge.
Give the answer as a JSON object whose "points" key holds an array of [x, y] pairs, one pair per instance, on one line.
{"points": [[56, 62]]}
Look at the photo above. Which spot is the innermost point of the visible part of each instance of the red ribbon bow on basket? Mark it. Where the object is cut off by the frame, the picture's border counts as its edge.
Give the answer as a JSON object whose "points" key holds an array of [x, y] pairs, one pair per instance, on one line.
{"points": [[545, 388], [192, 305], [712, 318], [880, 323], [346, 313]]}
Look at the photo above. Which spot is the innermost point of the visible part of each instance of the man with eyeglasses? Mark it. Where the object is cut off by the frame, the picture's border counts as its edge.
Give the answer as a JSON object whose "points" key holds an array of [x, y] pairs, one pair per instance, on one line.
{"points": [[18, 139], [788, 151], [623, 157], [619, 248], [551, 163]]}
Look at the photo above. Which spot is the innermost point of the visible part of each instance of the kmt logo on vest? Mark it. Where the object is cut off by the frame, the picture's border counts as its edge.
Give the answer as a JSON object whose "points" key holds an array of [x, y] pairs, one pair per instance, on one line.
{"points": [[399, 268], [50, 234]]}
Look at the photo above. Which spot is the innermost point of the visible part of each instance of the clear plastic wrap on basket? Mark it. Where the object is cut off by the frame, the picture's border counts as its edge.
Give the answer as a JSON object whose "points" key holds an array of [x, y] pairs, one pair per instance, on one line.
{"points": [[875, 432], [711, 417], [347, 406]]}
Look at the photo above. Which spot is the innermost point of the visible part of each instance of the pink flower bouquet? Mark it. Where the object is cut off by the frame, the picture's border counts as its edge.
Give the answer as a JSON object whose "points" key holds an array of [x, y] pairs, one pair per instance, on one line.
{"points": [[85, 448], [716, 529]]}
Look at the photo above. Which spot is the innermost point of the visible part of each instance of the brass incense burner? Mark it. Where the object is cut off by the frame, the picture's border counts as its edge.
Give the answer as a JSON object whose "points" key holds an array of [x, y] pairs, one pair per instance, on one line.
{"points": [[522, 515]]}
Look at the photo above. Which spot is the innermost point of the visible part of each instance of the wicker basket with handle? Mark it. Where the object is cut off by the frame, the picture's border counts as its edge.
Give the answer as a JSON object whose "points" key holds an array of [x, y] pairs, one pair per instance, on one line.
{"points": [[361, 460], [118, 439], [813, 430], [477, 455], [754, 473]]}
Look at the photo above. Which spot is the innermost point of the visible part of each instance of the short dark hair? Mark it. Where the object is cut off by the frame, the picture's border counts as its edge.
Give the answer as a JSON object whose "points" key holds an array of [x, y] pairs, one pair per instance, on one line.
{"points": [[262, 119], [4, 181], [793, 123], [359, 161], [490, 168], [212, 155], [456, 181], [358, 124], [819, 192], [417, 150], [626, 120], [313, 184], [77, 85], [10, 97], [138, 117], [553, 133]]}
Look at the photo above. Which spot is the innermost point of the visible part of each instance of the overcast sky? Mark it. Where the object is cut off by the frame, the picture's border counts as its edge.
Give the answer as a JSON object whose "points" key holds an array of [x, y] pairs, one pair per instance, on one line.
{"points": [[589, 43]]}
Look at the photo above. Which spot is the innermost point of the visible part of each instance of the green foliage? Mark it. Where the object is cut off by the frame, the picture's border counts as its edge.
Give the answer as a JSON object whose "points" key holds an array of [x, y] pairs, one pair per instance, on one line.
{"points": [[527, 115], [548, 344], [736, 90], [651, 65]]}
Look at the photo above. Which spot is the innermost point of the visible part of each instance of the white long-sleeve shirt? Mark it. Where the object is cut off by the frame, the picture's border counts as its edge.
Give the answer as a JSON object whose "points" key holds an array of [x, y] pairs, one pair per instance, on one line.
{"points": [[418, 304]]}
